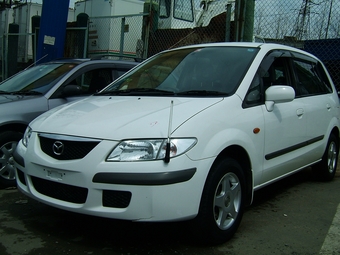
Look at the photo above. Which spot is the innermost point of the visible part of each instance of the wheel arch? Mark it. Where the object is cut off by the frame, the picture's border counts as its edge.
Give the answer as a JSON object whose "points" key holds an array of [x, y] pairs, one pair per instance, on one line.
{"points": [[335, 131], [18, 127], [241, 156]]}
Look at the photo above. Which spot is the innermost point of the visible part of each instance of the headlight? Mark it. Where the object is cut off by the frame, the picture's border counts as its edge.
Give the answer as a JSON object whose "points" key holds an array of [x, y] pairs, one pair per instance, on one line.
{"points": [[27, 136], [142, 150]]}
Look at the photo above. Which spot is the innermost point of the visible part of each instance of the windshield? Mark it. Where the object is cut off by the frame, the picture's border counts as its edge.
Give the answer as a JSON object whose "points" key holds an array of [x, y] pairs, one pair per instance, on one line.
{"points": [[192, 71], [38, 79]]}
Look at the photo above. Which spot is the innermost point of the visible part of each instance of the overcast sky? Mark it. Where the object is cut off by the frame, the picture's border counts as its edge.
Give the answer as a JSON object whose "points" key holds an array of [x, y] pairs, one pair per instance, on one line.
{"points": [[275, 19]]}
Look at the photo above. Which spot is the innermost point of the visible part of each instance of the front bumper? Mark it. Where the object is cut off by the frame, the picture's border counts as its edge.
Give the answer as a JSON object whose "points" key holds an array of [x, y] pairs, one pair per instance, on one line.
{"points": [[138, 191]]}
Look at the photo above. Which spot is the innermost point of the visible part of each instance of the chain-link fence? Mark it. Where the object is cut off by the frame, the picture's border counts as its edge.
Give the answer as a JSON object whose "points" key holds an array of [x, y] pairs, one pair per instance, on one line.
{"points": [[76, 42], [16, 53], [312, 25], [116, 36], [297, 19], [17, 50]]}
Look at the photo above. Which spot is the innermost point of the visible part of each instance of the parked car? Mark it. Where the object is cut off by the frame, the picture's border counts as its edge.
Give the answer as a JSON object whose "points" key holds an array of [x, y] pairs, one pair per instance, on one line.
{"points": [[190, 134], [31, 92]]}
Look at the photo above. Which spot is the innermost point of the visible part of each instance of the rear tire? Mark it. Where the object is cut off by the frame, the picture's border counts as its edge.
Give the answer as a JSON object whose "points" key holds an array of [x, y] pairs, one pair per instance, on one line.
{"points": [[8, 144], [222, 203], [326, 168]]}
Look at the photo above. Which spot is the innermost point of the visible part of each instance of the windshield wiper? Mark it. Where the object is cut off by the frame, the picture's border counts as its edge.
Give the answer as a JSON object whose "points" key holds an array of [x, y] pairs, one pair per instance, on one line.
{"points": [[31, 92], [201, 93], [158, 92], [137, 91]]}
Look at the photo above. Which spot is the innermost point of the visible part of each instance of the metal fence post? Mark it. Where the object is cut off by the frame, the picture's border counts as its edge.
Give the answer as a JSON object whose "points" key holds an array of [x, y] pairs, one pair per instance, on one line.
{"points": [[86, 40], [5, 56], [122, 32], [227, 22]]}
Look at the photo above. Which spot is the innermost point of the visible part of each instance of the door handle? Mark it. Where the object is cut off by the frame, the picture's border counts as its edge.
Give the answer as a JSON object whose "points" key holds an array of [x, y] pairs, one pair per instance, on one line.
{"points": [[300, 112]]}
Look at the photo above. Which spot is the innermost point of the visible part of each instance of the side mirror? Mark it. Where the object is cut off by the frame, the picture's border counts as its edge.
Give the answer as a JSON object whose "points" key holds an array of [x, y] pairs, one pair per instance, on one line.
{"points": [[278, 94], [71, 90]]}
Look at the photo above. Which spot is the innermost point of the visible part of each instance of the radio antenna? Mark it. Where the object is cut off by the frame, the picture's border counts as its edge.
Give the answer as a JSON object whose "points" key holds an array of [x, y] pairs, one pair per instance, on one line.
{"points": [[167, 151]]}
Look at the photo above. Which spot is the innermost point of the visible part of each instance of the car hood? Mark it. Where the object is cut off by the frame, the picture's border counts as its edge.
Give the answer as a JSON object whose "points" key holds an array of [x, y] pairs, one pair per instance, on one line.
{"points": [[116, 118]]}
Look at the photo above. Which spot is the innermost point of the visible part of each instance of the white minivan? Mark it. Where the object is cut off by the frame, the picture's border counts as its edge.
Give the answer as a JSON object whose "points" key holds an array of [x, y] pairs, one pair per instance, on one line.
{"points": [[189, 134]]}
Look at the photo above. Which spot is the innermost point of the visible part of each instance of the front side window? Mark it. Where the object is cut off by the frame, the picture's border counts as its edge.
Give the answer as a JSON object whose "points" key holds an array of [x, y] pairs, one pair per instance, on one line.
{"points": [[191, 71], [94, 80], [277, 74], [274, 70]]}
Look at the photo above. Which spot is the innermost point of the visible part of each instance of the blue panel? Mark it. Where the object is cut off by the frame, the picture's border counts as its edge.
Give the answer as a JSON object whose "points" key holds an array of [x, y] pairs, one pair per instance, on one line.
{"points": [[52, 30], [327, 49]]}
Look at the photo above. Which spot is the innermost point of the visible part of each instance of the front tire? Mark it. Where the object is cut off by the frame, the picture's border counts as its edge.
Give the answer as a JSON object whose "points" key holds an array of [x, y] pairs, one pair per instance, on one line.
{"points": [[222, 203], [8, 144], [326, 168]]}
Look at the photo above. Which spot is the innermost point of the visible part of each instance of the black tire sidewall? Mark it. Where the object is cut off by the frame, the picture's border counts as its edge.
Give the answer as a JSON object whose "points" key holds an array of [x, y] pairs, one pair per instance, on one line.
{"points": [[6, 137], [320, 170], [205, 222]]}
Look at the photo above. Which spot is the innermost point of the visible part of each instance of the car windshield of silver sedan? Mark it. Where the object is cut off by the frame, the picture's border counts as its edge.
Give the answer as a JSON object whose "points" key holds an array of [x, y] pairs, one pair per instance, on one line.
{"points": [[35, 80], [205, 71]]}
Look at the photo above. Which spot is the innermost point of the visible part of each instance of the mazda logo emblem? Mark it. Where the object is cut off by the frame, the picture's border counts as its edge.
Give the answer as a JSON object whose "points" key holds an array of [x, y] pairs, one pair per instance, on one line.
{"points": [[58, 148]]}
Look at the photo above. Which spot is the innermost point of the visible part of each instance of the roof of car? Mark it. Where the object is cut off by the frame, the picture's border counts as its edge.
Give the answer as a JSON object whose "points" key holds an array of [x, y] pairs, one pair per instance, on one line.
{"points": [[262, 45]]}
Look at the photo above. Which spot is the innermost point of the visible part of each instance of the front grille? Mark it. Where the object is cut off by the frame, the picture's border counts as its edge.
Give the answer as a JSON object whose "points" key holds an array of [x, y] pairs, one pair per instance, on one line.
{"points": [[116, 199], [21, 177], [60, 191], [71, 149]]}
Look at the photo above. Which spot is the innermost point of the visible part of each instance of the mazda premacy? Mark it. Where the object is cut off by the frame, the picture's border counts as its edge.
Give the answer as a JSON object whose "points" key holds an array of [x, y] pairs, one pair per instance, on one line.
{"points": [[188, 135]]}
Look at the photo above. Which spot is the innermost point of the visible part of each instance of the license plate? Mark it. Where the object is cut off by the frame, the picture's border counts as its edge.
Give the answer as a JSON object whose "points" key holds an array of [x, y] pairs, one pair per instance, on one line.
{"points": [[55, 175]]}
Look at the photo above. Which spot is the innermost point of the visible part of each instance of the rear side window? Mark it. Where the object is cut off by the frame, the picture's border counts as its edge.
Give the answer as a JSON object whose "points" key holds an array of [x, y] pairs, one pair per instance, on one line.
{"points": [[311, 78]]}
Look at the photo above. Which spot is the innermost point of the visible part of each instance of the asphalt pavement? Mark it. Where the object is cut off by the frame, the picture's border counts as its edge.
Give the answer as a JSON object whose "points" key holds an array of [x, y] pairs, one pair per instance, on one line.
{"points": [[291, 217]]}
